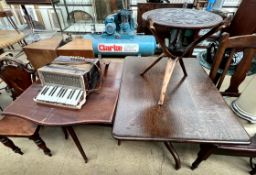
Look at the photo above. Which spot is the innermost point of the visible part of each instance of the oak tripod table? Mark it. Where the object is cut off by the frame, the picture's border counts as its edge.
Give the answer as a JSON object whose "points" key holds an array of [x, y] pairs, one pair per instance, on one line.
{"points": [[180, 19], [194, 112], [98, 109]]}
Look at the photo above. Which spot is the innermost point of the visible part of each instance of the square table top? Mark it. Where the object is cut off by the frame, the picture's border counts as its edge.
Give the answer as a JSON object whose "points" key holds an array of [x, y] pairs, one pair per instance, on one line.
{"points": [[98, 109], [194, 110]]}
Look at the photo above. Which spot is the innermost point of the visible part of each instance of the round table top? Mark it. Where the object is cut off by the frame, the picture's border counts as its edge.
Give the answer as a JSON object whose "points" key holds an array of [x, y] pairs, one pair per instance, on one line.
{"points": [[183, 18]]}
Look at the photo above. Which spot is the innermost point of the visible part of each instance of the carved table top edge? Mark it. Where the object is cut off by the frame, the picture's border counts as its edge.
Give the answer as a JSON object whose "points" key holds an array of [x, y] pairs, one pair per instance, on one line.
{"points": [[111, 83]]}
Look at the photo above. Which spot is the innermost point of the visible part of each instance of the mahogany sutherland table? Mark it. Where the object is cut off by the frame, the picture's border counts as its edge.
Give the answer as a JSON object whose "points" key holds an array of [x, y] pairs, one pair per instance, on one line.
{"points": [[98, 109], [194, 111]]}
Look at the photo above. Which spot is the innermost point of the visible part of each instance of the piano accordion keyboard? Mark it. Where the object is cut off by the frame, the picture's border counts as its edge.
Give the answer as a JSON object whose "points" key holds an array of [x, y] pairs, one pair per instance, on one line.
{"points": [[61, 96]]}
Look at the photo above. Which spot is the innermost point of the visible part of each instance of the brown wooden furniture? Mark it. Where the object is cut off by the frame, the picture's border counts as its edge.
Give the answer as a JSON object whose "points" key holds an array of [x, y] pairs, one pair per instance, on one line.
{"points": [[18, 77], [77, 47], [178, 18], [194, 111], [243, 22], [144, 7], [42, 52], [247, 44], [98, 109], [31, 1], [8, 14], [199, 4], [12, 126], [9, 37]]}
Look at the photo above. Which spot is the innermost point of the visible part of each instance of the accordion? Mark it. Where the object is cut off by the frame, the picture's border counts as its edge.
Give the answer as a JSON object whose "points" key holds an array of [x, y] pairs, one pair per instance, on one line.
{"points": [[67, 81]]}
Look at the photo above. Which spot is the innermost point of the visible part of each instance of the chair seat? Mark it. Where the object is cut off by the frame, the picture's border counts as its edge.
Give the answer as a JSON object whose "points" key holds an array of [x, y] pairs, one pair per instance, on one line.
{"points": [[12, 126], [10, 37]]}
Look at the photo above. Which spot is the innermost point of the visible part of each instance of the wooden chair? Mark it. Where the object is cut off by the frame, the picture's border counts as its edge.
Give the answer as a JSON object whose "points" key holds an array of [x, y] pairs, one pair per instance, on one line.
{"points": [[247, 44], [18, 77], [243, 23]]}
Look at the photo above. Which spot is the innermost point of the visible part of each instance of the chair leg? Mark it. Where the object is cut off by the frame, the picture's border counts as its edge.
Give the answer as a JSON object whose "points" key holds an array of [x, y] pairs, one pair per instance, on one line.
{"points": [[8, 143], [203, 154], [152, 64], [40, 143], [175, 155], [65, 132]]}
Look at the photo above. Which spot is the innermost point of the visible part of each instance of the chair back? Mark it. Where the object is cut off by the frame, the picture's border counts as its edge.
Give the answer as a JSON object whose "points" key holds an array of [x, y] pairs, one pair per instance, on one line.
{"points": [[16, 75], [243, 43], [243, 22]]}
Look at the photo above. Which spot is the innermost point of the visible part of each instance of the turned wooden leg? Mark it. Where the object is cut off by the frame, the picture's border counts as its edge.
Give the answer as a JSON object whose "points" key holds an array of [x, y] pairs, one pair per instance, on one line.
{"points": [[65, 132], [152, 64], [40, 143], [8, 143], [183, 67], [77, 142], [253, 171], [205, 151], [167, 76], [253, 166], [174, 153], [118, 142]]}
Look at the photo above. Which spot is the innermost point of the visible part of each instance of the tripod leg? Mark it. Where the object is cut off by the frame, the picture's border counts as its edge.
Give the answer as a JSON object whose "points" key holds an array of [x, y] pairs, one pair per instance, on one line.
{"points": [[167, 76], [183, 66], [152, 64]]}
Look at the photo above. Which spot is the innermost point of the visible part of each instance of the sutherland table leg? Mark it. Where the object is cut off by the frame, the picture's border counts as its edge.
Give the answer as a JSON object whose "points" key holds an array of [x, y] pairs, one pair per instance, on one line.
{"points": [[205, 151], [77, 142], [175, 155], [167, 76]]}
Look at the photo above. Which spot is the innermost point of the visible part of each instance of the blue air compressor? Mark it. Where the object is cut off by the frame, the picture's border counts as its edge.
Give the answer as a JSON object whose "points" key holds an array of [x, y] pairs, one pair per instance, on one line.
{"points": [[119, 37]]}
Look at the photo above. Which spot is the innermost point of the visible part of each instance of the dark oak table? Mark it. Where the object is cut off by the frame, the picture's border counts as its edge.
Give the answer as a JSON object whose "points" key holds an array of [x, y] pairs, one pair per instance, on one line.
{"points": [[165, 19], [98, 109], [194, 111]]}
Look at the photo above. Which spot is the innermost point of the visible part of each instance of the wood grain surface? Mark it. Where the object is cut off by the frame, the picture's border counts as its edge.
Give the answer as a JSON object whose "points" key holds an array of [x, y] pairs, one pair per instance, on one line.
{"points": [[98, 109], [12, 126], [42, 52], [78, 47], [194, 110]]}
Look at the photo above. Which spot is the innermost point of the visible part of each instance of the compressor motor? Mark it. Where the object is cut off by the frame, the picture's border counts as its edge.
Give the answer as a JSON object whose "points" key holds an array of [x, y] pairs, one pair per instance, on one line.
{"points": [[120, 38]]}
